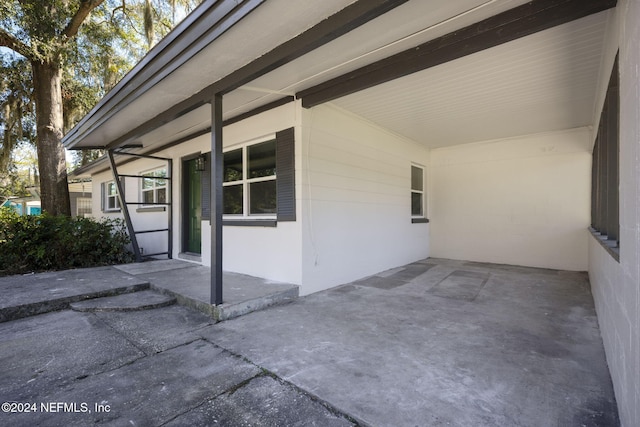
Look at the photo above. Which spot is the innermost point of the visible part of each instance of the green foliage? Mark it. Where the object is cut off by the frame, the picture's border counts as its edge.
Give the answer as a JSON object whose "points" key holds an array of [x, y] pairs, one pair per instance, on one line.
{"points": [[17, 111], [45, 242], [111, 40], [20, 173]]}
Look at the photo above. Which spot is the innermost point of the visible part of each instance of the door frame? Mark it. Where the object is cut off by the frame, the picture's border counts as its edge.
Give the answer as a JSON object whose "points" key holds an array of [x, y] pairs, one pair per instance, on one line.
{"points": [[184, 205]]}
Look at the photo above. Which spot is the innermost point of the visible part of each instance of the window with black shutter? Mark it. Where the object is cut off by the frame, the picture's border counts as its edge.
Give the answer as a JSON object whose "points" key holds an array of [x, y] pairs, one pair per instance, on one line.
{"points": [[258, 182]]}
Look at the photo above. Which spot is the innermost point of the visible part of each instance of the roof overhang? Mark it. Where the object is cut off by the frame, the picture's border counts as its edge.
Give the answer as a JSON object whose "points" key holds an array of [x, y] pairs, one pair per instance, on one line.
{"points": [[220, 46], [438, 72]]}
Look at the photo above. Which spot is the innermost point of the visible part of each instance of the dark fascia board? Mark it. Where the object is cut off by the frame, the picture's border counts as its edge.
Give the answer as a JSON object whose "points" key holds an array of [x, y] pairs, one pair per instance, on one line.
{"points": [[521, 21], [100, 164], [338, 24], [206, 23]]}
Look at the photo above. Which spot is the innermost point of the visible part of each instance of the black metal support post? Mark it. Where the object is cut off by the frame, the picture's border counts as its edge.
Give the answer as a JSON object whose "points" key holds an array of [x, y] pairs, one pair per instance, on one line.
{"points": [[170, 209], [216, 199], [123, 207]]}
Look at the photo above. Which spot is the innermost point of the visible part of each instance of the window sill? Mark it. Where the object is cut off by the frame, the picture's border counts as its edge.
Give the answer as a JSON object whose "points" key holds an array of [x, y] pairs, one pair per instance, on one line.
{"points": [[152, 209], [610, 246], [111, 211], [419, 220], [250, 222]]}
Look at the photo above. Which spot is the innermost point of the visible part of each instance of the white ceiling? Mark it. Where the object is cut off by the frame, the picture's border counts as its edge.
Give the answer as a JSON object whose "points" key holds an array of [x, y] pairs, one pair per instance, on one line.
{"points": [[543, 82], [540, 83]]}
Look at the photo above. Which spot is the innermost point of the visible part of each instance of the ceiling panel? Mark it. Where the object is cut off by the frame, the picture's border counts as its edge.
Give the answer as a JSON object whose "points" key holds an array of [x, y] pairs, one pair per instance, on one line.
{"points": [[543, 82], [409, 25]]}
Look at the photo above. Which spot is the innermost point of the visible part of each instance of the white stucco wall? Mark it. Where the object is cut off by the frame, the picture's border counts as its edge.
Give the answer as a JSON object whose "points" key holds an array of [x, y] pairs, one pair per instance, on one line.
{"points": [[352, 201], [521, 201], [355, 199], [616, 285], [270, 252]]}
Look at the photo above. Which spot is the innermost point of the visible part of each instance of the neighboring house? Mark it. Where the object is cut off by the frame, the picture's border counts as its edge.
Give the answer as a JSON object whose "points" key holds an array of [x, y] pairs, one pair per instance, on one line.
{"points": [[23, 205], [359, 136], [79, 196], [26, 205]]}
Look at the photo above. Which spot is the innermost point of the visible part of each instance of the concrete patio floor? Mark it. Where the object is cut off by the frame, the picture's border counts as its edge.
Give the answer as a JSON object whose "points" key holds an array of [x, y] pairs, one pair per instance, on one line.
{"points": [[441, 343], [433, 343]]}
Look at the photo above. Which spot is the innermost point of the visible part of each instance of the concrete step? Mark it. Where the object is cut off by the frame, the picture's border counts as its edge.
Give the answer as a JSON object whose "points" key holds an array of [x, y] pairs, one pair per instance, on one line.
{"points": [[32, 294], [136, 301], [239, 302], [231, 310]]}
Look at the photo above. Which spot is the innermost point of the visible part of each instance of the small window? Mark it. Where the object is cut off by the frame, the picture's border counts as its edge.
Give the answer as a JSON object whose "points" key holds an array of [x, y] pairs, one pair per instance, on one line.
{"points": [[111, 202], [154, 187], [417, 191], [249, 187], [83, 207]]}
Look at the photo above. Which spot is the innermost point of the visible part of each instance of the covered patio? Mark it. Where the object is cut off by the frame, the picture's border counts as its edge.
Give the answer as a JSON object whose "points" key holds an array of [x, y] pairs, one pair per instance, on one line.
{"points": [[437, 342], [498, 82], [493, 131]]}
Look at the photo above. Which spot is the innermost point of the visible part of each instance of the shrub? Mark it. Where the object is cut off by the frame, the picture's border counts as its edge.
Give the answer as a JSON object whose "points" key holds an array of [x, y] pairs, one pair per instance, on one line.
{"points": [[46, 242]]}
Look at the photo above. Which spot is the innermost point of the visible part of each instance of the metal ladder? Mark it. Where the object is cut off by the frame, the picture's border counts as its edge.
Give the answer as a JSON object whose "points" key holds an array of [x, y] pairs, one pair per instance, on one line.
{"points": [[124, 205]]}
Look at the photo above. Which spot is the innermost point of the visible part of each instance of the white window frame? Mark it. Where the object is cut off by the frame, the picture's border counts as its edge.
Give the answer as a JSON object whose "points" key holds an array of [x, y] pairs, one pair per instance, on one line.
{"points": [[84, 202], [422, 192], [114, 196], [246, 182], [149, 174]]}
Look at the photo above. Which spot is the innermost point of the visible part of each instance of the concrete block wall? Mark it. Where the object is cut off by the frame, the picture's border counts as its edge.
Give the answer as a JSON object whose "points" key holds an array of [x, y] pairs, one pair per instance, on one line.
{"points": [[616, 285]]}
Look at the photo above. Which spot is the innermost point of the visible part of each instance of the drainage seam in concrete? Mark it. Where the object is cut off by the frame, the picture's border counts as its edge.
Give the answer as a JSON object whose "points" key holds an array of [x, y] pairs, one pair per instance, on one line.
{"points": [[266, 372]]}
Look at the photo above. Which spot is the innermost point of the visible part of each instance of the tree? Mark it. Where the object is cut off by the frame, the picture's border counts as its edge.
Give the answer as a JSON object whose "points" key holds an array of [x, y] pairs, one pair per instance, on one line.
{"points": [[67, 46], [16, 109], [20, 173]]}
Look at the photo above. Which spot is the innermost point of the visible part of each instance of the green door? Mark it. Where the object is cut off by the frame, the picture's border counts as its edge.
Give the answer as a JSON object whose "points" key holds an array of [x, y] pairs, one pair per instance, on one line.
{"points": [[193, 208]]}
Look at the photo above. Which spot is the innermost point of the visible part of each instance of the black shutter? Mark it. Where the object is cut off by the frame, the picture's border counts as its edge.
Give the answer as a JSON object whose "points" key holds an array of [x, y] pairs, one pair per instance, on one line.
{"points": [[285, 175], [102, 196], [123, 181], [205, 188]]}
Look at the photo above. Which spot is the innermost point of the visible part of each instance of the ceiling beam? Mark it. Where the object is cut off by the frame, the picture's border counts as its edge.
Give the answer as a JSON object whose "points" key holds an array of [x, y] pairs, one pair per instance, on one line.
{"points": [[521, 21], [356, 14]]}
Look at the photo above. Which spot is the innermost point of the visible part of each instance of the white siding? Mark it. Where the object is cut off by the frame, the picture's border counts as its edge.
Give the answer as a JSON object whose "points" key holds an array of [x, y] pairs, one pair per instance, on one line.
{"points": [[616, 285], [356, 188], [521, 201]]}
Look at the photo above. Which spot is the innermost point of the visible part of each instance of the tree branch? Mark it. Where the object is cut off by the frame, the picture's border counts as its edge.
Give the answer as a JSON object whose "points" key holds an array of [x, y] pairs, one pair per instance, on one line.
{"points": [[7, 40], [85, 8]]}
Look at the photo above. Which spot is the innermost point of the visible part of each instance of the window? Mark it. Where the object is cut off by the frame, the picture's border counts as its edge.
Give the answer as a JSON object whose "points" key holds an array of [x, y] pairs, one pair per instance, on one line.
{"points": [[110, 200], [249, 181], [251, 171], [605, 173], [83, 207], [154, 187], [417, 192]]}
